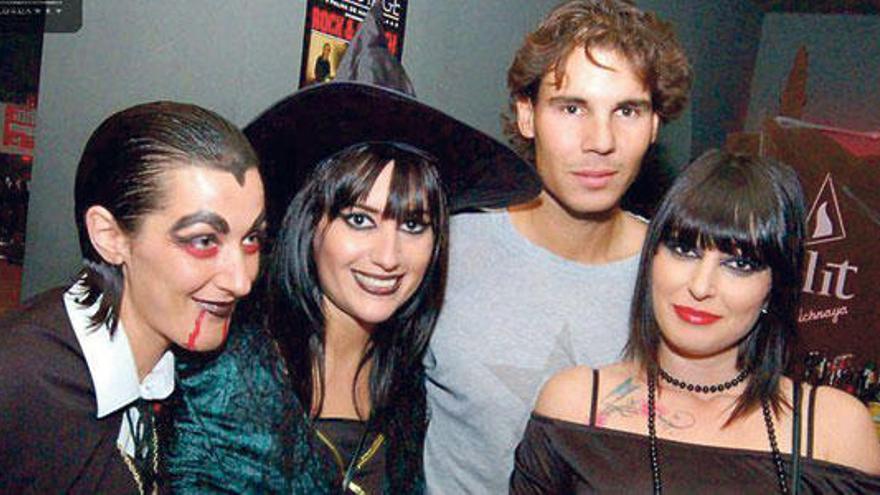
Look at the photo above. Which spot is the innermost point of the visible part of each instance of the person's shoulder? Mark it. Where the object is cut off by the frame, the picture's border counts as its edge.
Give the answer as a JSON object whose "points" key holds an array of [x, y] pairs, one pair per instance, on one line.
{"points": [[248, 352], [36, 337], [635, 229], [236, 390], [42, 370], [476, 219], [567, 395], [43, 310], [845, 432]]}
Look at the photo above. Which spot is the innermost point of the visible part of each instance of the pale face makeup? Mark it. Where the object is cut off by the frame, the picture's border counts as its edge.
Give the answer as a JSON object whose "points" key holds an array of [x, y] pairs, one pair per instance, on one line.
{"points": [[705, 300], [192, 259]]}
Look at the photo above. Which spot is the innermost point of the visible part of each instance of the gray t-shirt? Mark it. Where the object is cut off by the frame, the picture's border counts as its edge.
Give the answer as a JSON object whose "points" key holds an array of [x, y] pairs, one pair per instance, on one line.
{"points": [[514, 314]]}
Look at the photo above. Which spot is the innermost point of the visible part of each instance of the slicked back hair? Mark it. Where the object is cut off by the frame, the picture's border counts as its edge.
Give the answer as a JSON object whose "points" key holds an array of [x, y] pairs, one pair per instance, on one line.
{"points": [[122, 168]]}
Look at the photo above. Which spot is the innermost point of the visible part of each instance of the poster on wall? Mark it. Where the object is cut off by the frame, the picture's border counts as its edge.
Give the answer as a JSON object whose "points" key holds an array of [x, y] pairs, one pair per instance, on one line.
{"points": [[839, 313], [331, 24], [18, 124]]}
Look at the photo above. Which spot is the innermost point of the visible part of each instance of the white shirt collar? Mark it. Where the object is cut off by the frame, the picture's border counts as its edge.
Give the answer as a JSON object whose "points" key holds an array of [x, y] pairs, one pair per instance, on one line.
{"points": [[111, 362]]}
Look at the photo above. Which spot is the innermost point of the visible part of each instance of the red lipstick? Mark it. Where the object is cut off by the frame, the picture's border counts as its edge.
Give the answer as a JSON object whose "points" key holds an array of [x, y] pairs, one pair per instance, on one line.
{"points": [[694, 316]]}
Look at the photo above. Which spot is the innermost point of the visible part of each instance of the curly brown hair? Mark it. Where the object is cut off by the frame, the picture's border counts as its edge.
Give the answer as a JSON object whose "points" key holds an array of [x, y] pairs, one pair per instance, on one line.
{"points": [[648, 43]]}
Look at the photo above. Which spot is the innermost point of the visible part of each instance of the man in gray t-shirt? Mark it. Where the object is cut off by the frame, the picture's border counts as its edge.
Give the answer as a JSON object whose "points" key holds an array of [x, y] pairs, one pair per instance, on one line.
{"points": [[547, 285]]}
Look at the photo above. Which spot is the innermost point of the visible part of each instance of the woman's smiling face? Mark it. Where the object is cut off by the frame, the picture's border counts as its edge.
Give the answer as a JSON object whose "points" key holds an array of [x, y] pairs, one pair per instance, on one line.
{"points": [[705, 300], [190, 260], [369, 265]]}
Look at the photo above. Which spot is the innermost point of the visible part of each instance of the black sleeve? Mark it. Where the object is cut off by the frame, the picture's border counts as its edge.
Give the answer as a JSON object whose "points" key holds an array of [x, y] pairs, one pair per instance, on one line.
{"points": [[537, 467], [51, 440]]}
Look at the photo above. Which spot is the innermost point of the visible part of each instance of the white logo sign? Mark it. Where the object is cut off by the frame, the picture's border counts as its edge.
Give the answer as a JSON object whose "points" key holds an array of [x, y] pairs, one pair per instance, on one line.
{"points": [[824, 222]]}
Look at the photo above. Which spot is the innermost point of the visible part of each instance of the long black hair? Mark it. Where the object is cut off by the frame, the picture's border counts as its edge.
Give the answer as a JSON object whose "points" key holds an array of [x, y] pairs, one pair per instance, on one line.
{"points": [[743, 205], [294, 297]]}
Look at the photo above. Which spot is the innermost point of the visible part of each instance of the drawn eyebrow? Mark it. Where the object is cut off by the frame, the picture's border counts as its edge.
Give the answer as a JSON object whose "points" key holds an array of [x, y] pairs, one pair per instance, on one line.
{"points": [[259, 221], [208, 217]]}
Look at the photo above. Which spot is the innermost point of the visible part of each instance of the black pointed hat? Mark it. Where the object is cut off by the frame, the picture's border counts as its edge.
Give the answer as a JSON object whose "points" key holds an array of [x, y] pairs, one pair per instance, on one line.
{"points": [[372, 99]]}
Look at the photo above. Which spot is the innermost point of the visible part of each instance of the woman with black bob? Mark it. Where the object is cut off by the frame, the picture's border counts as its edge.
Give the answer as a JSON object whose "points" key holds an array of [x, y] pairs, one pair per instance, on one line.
{"points": [[170, 214], [320, 388], [700, 402]]}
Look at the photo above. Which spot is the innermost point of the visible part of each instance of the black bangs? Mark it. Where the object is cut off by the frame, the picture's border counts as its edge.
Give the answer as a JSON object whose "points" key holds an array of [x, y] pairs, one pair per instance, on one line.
{"points": [[414, 187], [415, 192], [748, 207], [733, 209]]}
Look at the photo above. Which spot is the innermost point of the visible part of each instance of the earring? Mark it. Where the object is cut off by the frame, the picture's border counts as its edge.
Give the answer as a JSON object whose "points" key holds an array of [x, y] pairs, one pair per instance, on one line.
{"points": [[764, 310]]}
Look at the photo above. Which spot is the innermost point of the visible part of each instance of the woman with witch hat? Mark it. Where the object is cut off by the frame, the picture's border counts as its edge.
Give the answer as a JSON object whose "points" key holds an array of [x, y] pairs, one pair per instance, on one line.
{"points": [[320, 388]]}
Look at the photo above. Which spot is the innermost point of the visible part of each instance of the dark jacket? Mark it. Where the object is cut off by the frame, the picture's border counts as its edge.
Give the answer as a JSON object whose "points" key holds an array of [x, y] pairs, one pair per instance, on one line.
{"points": [[51, 440], [239, 428]]}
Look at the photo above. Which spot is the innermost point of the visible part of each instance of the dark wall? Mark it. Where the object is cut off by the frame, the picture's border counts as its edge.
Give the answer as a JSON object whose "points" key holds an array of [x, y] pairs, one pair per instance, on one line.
{"points": [[236, 58], [728, 37], [843, 87]]}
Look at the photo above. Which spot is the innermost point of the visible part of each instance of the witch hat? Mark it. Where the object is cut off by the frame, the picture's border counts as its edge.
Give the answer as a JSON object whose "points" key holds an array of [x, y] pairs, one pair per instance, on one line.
{"points": [[371, 99]]}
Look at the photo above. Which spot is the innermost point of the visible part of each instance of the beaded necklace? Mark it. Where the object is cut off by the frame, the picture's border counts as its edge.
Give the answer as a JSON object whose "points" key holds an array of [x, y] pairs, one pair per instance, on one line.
{"points": [[705, 389], [652, 424]]}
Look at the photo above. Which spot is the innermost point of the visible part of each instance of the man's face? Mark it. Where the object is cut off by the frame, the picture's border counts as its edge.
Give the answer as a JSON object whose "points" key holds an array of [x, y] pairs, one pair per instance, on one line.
{"points": [[591, 131]]}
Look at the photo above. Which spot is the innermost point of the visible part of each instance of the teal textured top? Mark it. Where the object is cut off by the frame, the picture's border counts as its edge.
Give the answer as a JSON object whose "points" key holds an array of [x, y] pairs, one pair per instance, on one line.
{"points": [[239, 428]]}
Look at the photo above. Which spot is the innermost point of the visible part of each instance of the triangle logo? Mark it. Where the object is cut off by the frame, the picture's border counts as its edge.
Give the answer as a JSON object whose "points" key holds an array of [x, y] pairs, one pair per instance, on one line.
{"points": [[824, 222]]}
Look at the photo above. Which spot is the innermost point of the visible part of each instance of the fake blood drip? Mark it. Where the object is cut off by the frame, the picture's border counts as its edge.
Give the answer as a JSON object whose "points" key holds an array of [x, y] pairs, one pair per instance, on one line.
{"points": [[225, 329], [191, 341]]}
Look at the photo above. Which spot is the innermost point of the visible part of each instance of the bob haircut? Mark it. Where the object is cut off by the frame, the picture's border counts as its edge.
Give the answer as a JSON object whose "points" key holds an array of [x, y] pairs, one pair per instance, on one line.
{"points": [[121, 169], [294, 315], [648, 43], [747, 206]]}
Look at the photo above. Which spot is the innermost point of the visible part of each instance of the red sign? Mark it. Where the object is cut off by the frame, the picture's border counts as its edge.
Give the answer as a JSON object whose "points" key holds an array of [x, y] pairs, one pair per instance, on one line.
{"points": [[19, 122]]}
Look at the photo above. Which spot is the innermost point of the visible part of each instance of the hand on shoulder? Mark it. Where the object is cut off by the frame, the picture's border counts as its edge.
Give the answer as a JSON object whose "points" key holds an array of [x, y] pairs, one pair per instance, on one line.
{"points": [[845, 433]]}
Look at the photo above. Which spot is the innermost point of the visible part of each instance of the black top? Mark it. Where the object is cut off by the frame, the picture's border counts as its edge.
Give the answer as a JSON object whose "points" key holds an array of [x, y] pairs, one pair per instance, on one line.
{"points": [[557, 456], [322, 69], [239, 428], [340, 438], [50, 438]]}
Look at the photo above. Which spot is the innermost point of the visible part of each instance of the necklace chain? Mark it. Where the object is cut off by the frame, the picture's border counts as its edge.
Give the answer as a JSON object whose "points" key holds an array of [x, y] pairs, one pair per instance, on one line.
{"points": [[154, 443], [705, 389], [652, 432], [134, 470], [777, 457]]}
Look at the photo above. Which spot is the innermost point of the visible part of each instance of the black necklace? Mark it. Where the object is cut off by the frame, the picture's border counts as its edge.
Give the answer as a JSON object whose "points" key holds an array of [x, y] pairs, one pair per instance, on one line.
{"points": [[774, 448], [652, 436], [705, 389]]}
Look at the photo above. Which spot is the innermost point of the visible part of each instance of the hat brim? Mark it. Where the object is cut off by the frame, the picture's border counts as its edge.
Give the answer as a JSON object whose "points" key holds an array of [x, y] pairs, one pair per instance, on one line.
{"points": [[298, 132]]}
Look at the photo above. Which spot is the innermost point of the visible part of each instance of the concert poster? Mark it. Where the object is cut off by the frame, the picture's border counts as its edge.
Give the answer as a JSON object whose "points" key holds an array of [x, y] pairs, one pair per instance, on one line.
{"points": [[331, 24]]}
